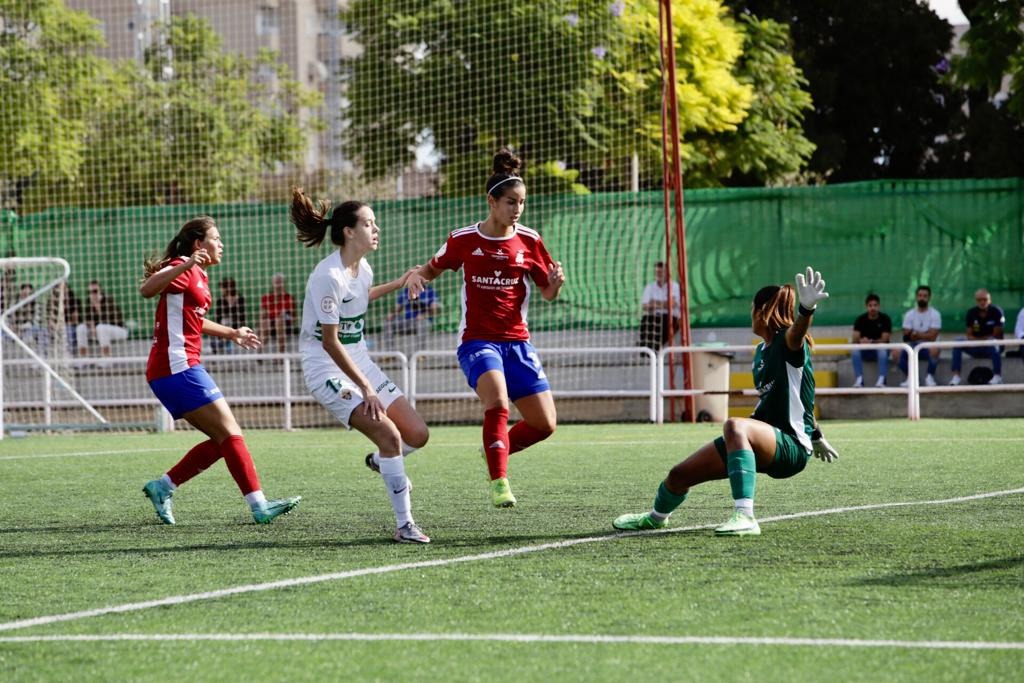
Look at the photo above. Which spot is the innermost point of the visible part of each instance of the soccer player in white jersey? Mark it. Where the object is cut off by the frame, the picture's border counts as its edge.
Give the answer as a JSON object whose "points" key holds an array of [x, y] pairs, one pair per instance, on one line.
{"points": [[497, 256], [180, 381], [336, 364], [779, 438]]}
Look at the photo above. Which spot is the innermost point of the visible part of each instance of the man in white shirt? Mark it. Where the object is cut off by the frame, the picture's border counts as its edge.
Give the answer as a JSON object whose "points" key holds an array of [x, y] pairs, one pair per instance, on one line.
{"points": [[920, 324], [654, 325]]}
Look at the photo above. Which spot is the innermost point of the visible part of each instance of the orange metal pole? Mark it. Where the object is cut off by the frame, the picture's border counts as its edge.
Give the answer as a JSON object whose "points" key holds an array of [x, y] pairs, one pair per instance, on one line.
{"points": [[673, 183]]}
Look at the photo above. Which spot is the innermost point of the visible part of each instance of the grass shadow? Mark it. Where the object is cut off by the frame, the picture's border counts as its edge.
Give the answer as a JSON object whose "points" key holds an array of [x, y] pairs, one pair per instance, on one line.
{"points": [[935, 575]]}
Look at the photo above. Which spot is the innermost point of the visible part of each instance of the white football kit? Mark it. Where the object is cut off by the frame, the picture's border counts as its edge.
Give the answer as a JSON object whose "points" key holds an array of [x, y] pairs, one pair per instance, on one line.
{"points": [[334, 297]]}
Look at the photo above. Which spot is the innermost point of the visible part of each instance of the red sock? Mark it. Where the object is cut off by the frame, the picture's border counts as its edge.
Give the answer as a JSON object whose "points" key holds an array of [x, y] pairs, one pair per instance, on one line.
{"points": [[195, 461], [239, 462], [496, 441], [523, 435]]}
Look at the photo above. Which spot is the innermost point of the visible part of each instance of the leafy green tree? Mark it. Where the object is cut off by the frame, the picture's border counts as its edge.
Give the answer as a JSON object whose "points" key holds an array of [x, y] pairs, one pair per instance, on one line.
{"points": [[995, 50], [991, 71], [769, 147], [569, 85], [190, 124], [881, 105], [49, 82]]}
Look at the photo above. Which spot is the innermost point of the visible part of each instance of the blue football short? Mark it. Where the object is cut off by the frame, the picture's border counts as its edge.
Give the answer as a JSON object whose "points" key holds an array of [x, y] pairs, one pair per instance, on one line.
{"points": [[517, 360], [183, 392]]}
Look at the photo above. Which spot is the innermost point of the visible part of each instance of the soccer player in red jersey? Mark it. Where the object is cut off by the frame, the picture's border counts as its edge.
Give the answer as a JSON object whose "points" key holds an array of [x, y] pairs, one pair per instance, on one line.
{"points": [[178, 379], [498, 257]]}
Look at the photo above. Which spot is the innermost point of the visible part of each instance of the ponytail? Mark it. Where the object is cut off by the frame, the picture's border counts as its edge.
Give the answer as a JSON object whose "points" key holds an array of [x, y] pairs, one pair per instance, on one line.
{"points": [[311, 220], [180, 245]]}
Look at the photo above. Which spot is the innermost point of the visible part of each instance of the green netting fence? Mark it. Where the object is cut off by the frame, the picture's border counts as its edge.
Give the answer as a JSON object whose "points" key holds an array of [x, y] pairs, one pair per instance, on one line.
{"points": [[883, 237]]}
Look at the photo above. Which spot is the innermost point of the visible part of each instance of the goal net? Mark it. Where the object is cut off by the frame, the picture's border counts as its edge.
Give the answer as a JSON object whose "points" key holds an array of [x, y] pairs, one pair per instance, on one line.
{"points": [[174, 108]]}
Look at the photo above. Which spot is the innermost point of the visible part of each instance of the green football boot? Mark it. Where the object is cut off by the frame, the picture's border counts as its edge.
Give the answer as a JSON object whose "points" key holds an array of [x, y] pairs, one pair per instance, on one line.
{"points": [[638, 521], [501, 494], [740, 524]]}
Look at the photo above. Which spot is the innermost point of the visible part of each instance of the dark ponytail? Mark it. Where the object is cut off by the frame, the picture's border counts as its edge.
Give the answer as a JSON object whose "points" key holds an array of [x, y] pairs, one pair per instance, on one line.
{"points": [[311, 220], [506, 168], [181, 244]]}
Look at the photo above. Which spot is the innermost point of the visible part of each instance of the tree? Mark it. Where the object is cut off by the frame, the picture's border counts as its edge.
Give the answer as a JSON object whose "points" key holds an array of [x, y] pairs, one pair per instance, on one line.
{"points": [[991, 72], [191, 124], [881, 107], [995, 50], [49, 82], [769, 147], [570, 89]]}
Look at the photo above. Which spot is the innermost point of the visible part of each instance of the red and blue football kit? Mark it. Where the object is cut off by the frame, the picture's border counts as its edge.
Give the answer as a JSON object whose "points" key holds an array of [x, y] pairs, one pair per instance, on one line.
{"points": [[495, 291], [493, 333], [177, 334]]}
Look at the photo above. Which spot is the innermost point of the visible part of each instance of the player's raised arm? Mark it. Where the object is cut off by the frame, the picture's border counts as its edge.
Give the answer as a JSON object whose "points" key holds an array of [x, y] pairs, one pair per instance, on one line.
{"points": [[810, 289]]}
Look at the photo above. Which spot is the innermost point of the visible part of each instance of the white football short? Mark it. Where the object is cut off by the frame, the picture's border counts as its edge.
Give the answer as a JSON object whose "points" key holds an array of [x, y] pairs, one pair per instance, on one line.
{"points": [[341, 396]]}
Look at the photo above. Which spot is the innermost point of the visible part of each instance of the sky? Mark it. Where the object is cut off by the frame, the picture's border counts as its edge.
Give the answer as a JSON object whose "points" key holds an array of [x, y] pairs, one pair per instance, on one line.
{"points": [[948, 10]]}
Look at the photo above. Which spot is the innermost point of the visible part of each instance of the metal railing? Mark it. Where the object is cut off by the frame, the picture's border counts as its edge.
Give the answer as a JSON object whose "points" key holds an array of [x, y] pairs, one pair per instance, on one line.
{"points": [[410, 378], [650, 393], [911, 390]]}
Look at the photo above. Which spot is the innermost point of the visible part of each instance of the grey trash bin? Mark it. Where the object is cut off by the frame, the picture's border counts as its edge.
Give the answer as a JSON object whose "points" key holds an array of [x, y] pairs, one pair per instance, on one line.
{"points": [[711, 373]]}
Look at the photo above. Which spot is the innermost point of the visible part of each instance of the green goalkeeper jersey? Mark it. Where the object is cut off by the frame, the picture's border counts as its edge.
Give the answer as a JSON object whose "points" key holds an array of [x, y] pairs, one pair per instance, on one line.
{"points": [[785, 385]]}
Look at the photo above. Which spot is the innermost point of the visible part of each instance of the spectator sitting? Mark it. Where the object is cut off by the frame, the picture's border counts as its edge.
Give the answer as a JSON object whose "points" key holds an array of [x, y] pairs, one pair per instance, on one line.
{"points": [[63, 314], [921, 324], [102, 319], [230, 312], [415, 316], [872, 327], [984, 321], [277, 311], [654, 325], [25, 321]]}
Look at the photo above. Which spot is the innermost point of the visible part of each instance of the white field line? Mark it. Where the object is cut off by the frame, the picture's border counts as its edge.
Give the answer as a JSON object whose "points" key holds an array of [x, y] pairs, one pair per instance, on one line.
{"points": [[84, 454], [443, 562], [520, 638], [474, 444]]}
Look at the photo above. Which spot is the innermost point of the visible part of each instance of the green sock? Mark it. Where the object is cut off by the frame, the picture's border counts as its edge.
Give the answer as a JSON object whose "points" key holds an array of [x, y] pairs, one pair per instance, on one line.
{"points": [[742, 473], [666, 501]]}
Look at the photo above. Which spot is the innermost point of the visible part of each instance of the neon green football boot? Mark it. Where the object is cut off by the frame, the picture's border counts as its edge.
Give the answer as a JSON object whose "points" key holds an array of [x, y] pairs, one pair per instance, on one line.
{"points": [[501, 494], [740, 524], [638, 521]]}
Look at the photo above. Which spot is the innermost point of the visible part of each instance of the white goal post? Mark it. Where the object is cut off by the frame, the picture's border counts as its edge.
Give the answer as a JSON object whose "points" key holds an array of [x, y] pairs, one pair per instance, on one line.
{"points": [[9, 308]]}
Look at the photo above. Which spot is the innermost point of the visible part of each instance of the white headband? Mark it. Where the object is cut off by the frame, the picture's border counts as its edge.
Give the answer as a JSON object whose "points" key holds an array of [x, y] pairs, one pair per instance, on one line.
{"points": [[511, 177]]}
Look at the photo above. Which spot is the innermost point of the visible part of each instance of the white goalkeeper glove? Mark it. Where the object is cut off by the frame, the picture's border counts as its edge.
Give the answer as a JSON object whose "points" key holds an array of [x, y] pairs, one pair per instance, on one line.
{"points": [[810, 289], [822, 448]]}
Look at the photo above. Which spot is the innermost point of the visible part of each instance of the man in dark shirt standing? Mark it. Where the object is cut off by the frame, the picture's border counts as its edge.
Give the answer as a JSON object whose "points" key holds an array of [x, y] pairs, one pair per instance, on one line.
{"points": [[984, 321], [873, 327]]}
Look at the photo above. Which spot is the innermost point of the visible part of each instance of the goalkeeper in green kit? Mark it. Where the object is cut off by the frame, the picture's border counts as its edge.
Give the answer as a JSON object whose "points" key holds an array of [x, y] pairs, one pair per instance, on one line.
{"points": [[779, 438]]}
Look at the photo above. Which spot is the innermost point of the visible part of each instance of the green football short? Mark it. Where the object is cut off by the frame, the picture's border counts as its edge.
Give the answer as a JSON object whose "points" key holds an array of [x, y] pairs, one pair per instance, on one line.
{"points": [[790, 457]]}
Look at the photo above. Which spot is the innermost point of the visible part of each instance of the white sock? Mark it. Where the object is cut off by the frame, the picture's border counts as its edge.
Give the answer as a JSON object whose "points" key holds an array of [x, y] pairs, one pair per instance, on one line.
{"points": [[406, 450], [168, 483], [255, 499], [745, 505], [658, 516], [392, 470]]}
